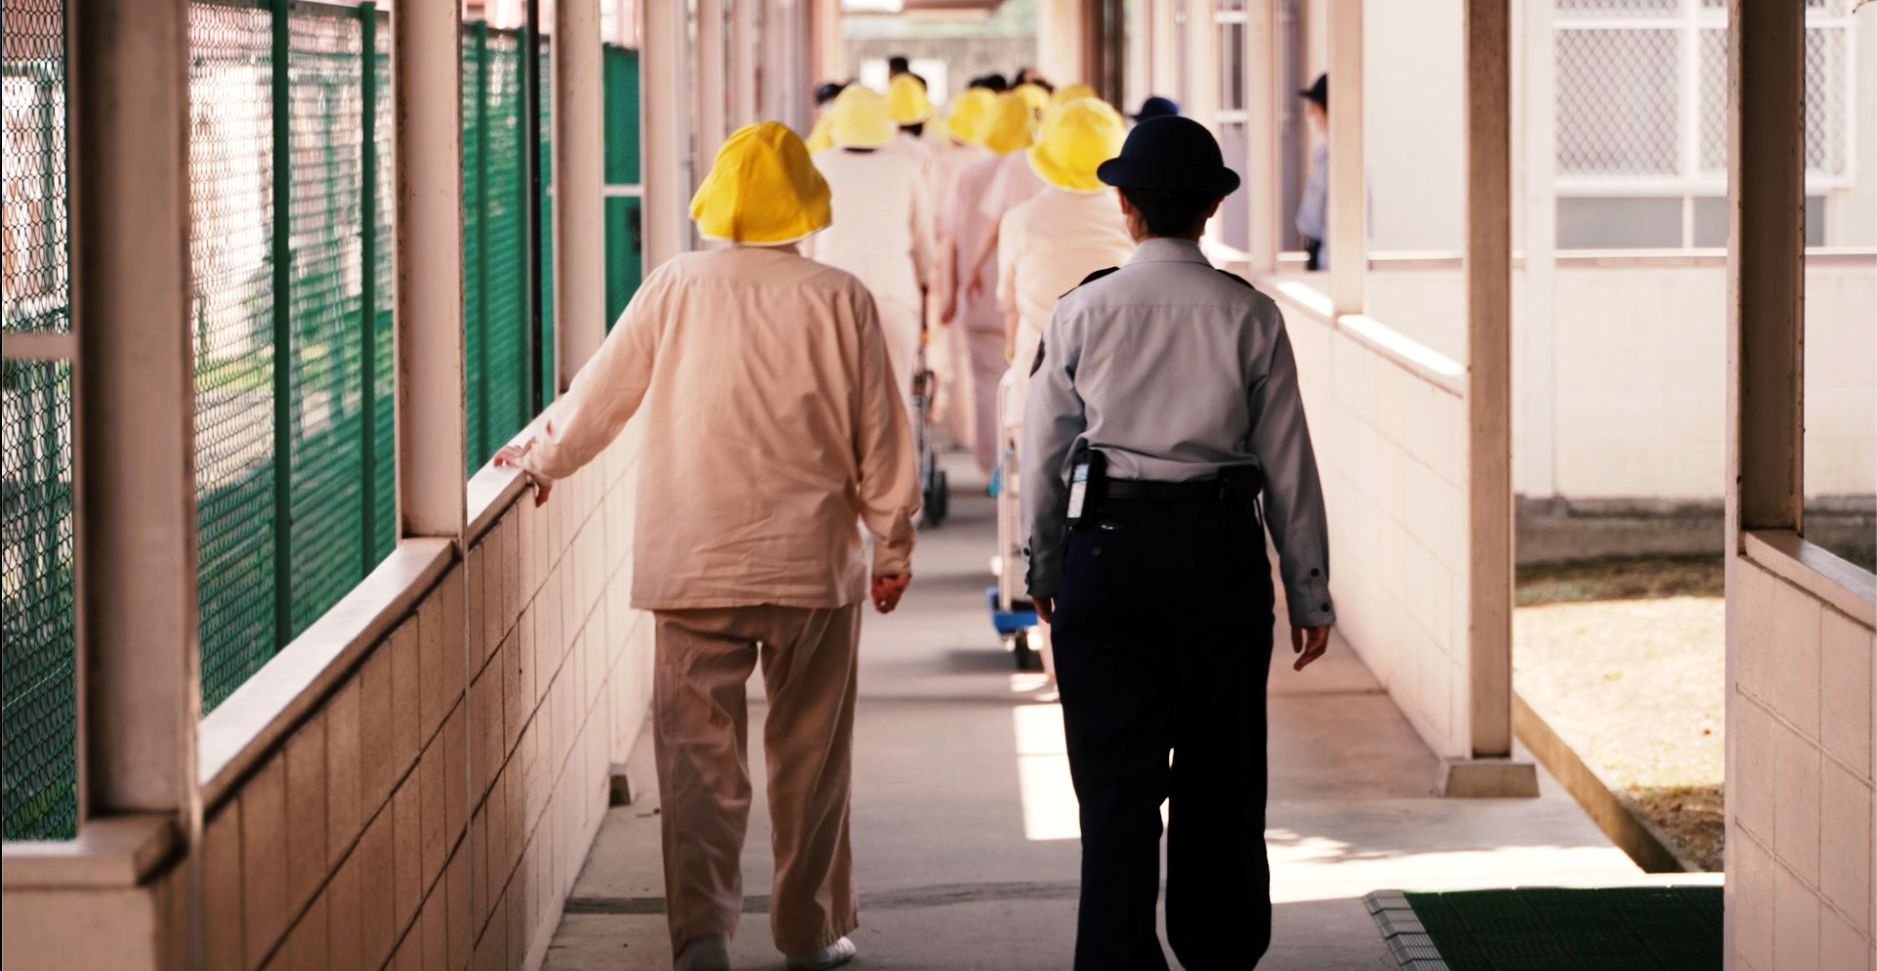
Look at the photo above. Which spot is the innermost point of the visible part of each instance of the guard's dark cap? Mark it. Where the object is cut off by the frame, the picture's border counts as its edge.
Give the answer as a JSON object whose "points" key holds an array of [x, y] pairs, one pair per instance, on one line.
{"points": [[1157, 107], [1318, 91], [828, 92], [1172, 153]]}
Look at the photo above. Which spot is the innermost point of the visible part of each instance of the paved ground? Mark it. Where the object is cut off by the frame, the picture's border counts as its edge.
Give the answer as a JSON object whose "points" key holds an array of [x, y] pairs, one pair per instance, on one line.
{"points": [[965, 833]]}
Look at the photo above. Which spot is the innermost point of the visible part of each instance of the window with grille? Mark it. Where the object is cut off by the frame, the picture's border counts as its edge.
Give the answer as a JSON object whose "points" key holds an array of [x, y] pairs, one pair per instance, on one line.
{"points": [[1642, 95]]}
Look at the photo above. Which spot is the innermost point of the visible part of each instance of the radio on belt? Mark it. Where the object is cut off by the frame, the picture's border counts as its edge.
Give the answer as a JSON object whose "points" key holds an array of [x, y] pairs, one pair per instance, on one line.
{"points": [[1087, 474]]}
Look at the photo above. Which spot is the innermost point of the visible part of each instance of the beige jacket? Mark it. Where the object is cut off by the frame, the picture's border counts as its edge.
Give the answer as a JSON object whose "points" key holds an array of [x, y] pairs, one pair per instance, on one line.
{"points": [[771, 425]]}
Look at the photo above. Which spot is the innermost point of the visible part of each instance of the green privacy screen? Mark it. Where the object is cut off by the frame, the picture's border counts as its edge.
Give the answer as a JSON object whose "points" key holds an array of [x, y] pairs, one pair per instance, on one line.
{"points": [[37, 686], [496, 267], [290, 170], [625, 241], [290, 194]]}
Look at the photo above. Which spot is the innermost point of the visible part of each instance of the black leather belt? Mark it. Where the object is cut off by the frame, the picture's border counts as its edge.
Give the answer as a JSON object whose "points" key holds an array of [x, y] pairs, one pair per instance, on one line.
{"points": [[1143, 490]]}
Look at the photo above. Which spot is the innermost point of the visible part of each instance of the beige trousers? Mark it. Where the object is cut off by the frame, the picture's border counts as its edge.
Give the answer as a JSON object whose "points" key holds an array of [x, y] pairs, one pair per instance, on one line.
{"points": [[701, 734], [984, 350]]}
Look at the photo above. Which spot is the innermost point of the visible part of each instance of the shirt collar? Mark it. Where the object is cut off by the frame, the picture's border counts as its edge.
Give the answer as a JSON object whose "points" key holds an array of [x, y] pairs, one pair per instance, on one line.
{"points": [[1162, 249]]}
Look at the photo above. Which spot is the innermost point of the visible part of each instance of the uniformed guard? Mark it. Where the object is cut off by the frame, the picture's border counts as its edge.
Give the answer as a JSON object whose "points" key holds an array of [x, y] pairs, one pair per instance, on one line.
{"points": [[1164, 432]]}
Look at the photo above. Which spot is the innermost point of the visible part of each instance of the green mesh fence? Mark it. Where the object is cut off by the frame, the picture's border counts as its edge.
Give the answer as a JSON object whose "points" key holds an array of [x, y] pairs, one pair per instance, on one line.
{"points": [[291, 268], [495, 242], [39, 717], [547, 373], [290, 167], [38, 798], [625, 235]]}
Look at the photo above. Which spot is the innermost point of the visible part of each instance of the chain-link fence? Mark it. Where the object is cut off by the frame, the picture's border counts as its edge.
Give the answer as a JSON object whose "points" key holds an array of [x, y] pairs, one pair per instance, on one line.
{"points": [[38, 796], [290, 194], [290, 184], [1642, 90], [495, 238], [499, 339]]}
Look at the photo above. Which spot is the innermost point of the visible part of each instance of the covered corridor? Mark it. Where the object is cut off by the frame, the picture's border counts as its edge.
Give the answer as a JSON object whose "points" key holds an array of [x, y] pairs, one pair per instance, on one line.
{"points": [[295, 679], [966, 851]]}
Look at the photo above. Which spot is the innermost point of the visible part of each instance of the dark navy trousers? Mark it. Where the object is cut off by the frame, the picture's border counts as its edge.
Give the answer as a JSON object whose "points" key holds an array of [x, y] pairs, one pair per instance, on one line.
{"points": [[1162, 643]]}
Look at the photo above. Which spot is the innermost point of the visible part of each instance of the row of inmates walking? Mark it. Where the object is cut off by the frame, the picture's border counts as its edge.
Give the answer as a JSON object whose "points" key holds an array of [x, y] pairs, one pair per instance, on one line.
{"points": [[773, 375]]}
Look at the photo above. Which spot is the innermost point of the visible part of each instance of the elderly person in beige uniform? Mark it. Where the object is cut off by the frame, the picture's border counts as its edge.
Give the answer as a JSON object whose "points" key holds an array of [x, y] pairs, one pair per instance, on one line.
{"points": [[972, 303], [1045, 246], [771, 426], [1048, 243], [882, 220]]}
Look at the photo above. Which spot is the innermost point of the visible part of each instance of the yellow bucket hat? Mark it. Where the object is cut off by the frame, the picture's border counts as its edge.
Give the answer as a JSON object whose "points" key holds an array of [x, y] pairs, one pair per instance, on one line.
{"points": [[1034, 95], [762, 190], [906, 100], [1071, 92], [970, 115], [1010, 126], [861, 119], [818, 137], [1077, 138]]}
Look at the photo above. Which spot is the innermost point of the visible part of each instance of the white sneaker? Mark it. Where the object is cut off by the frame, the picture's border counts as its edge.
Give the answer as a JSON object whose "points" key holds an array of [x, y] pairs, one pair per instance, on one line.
{"points": [[705, 954], [832, 956]]}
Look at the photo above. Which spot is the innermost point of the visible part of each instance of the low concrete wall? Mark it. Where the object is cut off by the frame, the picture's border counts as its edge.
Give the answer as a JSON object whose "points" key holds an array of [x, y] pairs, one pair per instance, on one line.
{"points": [[1391, 446], [439, 805], [1639, 369], [432, 801], [1801, 758]]}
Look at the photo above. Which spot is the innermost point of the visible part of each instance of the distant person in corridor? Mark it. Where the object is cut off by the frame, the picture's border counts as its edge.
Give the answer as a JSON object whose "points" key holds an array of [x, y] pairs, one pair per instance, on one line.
{"points": [[1313, 211], [1164, 403], [772, 423]]}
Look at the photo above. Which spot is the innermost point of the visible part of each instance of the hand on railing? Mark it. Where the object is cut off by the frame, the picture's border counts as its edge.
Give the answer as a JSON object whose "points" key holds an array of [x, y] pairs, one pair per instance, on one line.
{"points": [[509, 457]]}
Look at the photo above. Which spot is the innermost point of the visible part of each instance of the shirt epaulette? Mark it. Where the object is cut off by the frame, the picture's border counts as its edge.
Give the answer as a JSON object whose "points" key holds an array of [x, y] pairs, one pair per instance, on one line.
{"points": [[1235, 278], [1092, 277]]}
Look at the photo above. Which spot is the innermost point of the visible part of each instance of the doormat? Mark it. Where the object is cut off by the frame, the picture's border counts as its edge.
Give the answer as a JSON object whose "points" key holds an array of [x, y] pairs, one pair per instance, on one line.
{"points": [[1553, 929]]}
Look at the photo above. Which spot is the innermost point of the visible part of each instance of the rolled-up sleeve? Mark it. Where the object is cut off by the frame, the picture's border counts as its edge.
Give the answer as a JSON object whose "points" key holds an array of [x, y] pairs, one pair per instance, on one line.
{"points": [[1053, 418], [604, 395], [883, 449], [1293, 493]]}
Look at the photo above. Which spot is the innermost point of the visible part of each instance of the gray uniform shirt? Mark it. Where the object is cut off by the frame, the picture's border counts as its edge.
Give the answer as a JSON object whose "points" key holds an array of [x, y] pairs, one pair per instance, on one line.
{"points": [[1174, 371]]}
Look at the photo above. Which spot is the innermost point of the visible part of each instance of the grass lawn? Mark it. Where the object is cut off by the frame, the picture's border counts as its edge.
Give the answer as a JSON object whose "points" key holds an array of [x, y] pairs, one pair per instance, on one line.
{"points": [[1625, 660]]}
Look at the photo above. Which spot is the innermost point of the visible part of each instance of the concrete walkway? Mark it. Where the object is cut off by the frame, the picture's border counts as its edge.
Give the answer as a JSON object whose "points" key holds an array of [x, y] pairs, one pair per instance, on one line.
{"points": [[965, 825]]}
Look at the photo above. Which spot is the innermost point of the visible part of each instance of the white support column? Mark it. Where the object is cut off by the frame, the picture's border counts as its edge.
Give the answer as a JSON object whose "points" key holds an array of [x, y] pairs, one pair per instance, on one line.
{"points": [[138, 658], [1202, 65], [426, 88], [1535, 324], [1348, 217], [777, 52], [1059, 40], [1165, 70], [1140, 54], [1490, 770], [709, 82], [664, 103], [579, 183], [785, 68], [828, 45], [745, 29], [1765, 269], [1263, 162]]}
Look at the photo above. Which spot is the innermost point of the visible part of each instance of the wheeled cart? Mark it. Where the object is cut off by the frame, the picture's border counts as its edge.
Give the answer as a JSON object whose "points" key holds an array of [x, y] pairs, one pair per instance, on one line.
{"points": [[934, 489], [1012, 614]]}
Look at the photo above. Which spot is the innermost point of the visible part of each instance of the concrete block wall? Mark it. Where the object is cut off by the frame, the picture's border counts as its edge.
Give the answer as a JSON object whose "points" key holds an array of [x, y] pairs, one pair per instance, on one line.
{"points": [[1801, 760], [1391, 449], [434, 811]]}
